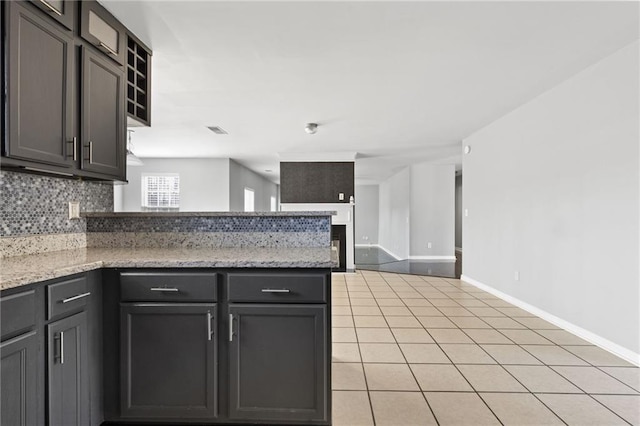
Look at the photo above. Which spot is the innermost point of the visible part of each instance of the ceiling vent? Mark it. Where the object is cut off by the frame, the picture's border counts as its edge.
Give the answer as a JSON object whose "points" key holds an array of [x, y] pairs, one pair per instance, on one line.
{"points": [[218, 130]]}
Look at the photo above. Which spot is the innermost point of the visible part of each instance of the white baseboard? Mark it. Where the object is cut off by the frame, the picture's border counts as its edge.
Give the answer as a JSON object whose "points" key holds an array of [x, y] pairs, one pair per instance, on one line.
{"points": [[614, 348], [390, 253], [366, 245], [445, 258]]}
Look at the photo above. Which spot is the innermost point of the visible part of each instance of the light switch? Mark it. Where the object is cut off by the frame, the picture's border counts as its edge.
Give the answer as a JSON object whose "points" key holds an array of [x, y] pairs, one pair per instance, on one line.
{"points": [[341, 196]]}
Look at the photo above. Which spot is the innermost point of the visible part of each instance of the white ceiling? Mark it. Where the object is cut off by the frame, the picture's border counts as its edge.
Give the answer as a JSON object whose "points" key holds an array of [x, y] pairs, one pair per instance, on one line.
{"points": [[396, 82]]}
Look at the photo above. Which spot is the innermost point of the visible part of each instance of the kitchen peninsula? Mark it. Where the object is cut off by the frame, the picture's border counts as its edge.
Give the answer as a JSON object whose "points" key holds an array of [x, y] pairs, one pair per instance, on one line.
{"points": [[196, 317]]}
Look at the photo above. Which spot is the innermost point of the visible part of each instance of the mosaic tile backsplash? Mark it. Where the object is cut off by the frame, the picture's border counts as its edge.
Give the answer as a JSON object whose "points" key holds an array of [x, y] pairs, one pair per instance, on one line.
{"points": [[209, 224], [35, 205]]}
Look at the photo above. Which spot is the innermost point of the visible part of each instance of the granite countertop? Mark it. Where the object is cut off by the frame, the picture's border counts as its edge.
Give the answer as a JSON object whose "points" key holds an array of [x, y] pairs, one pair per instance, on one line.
{"points": [[213, 214], [20, 270]]}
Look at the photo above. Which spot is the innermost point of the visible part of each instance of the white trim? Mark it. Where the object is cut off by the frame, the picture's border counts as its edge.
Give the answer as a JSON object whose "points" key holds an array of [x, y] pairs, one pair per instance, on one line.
{"points": [[447, 258], [392, 254], [614, 348], [367, 245]]}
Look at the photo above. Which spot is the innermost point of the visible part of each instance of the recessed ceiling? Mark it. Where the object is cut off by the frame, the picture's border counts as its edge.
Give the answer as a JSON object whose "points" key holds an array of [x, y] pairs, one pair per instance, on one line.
{"points": [[396, 82]]}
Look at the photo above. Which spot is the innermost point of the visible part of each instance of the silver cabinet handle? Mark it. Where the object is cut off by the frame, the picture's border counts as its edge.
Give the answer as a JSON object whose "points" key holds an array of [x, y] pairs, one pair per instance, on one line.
{"points": [[231, 327], [76, 297], [51, 8], [74, 141], [276, 290], [90, 152], [209, 328], [62, 347], [107, 48], [165, 289]]}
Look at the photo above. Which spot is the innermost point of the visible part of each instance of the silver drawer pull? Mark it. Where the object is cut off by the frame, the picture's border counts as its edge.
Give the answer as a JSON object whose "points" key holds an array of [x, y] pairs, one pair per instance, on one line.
{"points": [[108, 49], [231, 327], [62, 347], [76, 297], [209, 327], [167, 289], [276, 290], [51, 8]]}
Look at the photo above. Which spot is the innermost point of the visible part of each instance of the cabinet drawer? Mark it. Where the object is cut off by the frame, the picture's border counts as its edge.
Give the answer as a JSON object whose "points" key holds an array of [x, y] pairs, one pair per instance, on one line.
{"points": [[168, 287], [18, 312], [277, 288], [102, 30], [67, 296]]}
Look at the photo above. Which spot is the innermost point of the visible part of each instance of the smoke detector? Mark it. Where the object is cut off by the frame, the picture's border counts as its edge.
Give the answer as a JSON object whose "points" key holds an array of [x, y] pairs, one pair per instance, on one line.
{"points": [[311, 128]]}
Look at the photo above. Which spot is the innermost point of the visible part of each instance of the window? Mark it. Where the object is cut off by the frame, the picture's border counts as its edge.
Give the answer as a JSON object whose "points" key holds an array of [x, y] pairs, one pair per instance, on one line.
{"points": [[274, 207], [249, 200], [161, 192]]}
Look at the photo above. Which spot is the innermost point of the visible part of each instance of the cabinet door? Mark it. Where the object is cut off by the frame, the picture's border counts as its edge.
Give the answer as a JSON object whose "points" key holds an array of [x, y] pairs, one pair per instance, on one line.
{"points": [[40, 89], [101, 29], [278, 362], [68, 371], [63, 11], [168, 361], [103, 116], [18, 389]]}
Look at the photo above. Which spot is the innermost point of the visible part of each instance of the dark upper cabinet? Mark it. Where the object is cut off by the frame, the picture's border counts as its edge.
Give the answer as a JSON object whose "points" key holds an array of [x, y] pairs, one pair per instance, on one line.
{"points": [[278, 360], [102, 116], [40, 88], [168, 361], [102, 30], [68, 372], [316, 182], [18, 387], [138, 83], [63, 11]]}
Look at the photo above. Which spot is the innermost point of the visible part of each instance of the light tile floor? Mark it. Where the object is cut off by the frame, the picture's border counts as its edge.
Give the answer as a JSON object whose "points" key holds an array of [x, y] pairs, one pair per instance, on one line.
{"points": [[418, 350]]}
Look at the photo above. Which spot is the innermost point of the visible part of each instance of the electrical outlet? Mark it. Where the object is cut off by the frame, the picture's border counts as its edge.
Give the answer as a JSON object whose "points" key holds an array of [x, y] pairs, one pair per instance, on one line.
{"points": [[74, 209], [428, 245], [341, 196], [516, 275]]}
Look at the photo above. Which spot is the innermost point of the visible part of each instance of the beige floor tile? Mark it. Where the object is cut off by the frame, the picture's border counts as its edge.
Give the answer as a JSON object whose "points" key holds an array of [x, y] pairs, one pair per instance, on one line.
{"points": [[628, 375], [411, 335], [436, 322], [342, 321], [369, 321], [345, 352], [469, 322], [444, 303], [526, 337], [351, 409], [466, 354], [341, 310], [484, 311], [340, 301], [414, 303], [448, 335], [390, 377], [540, 378], [360, 295], [521, 409], [339, 293], [455, 311], [510, 354], [396, 310], [503, 323], [347, 376], [592, 380], [536, 323], [375, 335], [490, 378], [598, 357], [553, 355], [403, 322], [430, 311], [562, 337], [366, 310], [475, 303], [423, 353], [486, 336], [460, 409], [389, 302], [401, 408], [343, 335], [580, 410], [386, 295], [381, 352], [626, 406], [515, 312], [440, 377], [363, 302]]}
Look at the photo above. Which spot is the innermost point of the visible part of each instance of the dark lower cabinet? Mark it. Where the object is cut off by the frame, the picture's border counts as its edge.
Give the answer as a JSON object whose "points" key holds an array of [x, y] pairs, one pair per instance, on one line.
{"points": [[278, 359], [68, 391], [168, 361], [18, 389]]}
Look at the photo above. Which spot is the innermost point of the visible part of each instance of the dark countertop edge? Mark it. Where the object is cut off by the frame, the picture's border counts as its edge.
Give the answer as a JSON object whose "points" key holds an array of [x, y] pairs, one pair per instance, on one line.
{"points": [[211, 214]]}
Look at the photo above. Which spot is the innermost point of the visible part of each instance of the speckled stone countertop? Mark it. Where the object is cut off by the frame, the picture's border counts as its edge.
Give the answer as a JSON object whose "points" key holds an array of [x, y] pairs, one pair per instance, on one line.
{"points": [[213, 214], [20, 270]]}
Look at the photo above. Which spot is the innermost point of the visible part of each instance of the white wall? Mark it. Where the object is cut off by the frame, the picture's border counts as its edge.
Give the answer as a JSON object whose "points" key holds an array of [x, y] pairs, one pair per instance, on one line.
{"points": [[552, 191], [241, 177], [393, 228], [204, 183], [432, 211], [366, 214]]}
